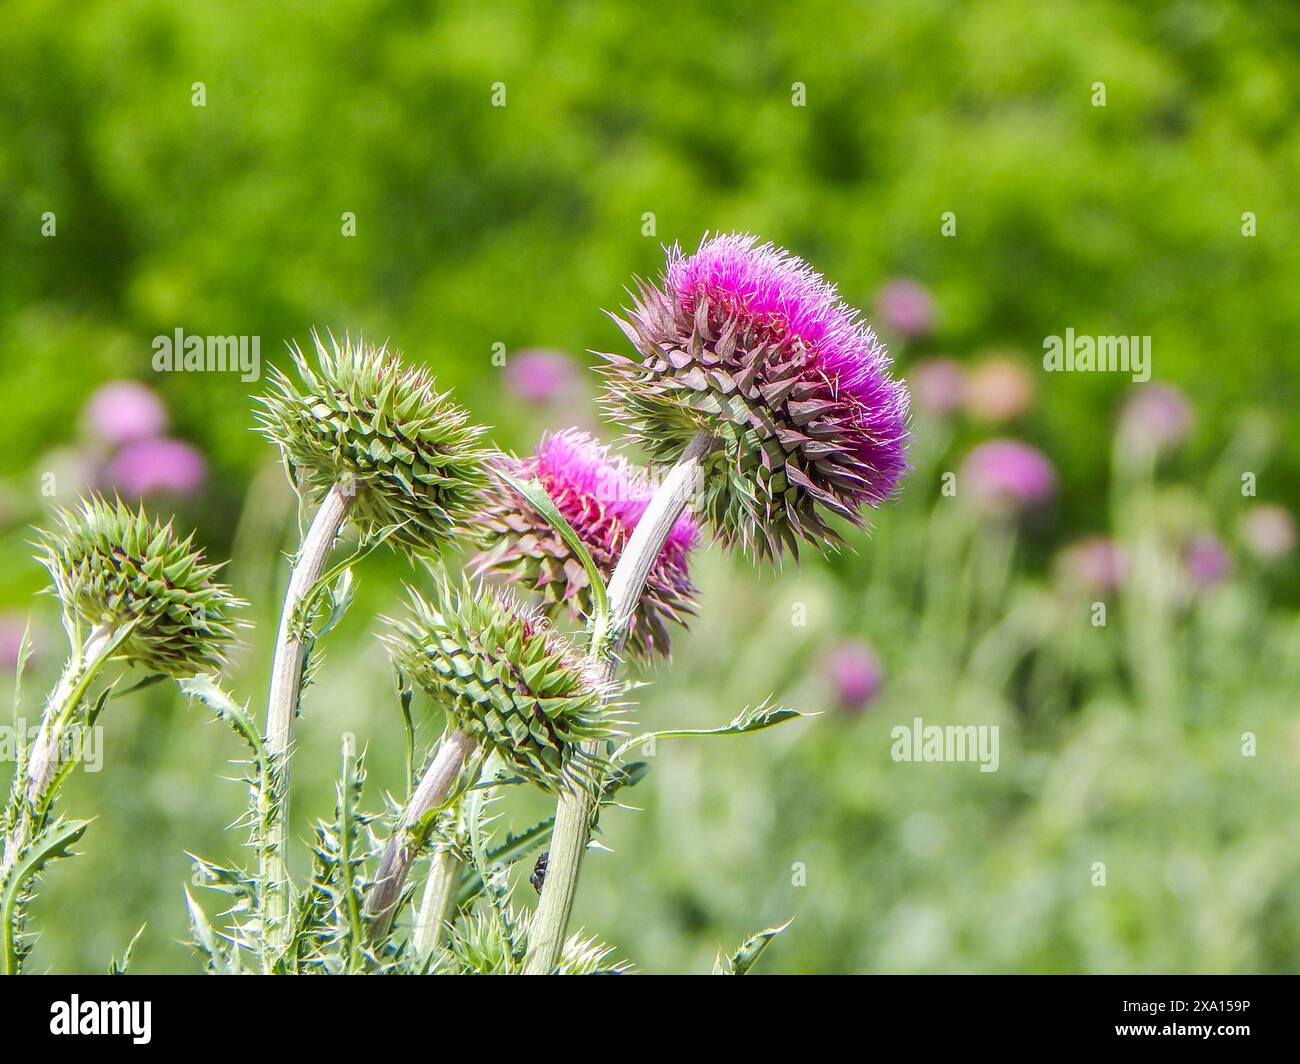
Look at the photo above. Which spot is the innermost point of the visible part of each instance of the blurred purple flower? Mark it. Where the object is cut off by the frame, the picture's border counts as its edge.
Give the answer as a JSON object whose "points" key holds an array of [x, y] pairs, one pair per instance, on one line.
{"points": [[904, 306], [937, 385], [123, 411], [1206, 560], [1157, 417], [1007, 475], [1268, 531], [12, 626], [1096, 563], [855, 673], [540, 375], [159, 465], [999, 389]]}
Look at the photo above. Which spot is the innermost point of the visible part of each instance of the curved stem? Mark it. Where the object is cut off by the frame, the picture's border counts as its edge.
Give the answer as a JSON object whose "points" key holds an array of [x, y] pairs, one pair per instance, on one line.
{"points": [[437, 902], [43, 761], [577, 805], [430, 795], [286, 686]]}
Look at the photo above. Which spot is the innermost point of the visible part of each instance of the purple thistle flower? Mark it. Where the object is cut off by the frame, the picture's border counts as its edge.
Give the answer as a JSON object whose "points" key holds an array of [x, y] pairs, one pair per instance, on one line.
{"points": [[748, 343], [855, 673], [904, 306], [938, 385], [1206, 560], [539, 375], [1156, 417], [1096, 563], [146, 467], [1007, 476], [123, 411], [603, 497], [1268, 531]]}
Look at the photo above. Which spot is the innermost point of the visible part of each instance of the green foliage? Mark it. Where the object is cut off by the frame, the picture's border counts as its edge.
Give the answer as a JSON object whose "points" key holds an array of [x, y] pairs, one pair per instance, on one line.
{"points": [[746, 956], [16, 886]]}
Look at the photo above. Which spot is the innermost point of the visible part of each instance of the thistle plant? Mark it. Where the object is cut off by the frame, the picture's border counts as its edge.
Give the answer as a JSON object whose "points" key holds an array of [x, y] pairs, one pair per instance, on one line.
{"points": [[511, 686], [368, 440], [772, 397], [602, 496], [131, 591]]}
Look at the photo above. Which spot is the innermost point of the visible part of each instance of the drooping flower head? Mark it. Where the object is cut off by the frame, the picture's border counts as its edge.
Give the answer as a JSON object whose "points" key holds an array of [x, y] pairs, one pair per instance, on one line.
{"points": [[364, 420], [748, 343], [506, 678], [603, 497], [112, 566], [1007, 477]]}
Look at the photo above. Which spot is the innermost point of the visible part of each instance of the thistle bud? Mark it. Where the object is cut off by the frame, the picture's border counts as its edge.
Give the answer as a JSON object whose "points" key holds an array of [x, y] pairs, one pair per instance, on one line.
{"points": [[603, 497], [406, 452], [506, 679], [749, 344], [112, 567]]}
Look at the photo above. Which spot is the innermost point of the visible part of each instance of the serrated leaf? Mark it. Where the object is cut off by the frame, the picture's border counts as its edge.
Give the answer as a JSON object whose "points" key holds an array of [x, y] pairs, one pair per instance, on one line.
{"points": [[49, 845], [748, 720], [743, 959]]}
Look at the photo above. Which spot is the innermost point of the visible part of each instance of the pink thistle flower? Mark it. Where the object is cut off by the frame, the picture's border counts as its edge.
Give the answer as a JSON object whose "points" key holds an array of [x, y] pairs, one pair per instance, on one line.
{"points": [[146, 467], [1096, 563], [748, 343], [938, 385], [999, 390], [855, 673], [1156, 417], [539, 375], [904, 306], [123, 411], [603, 497], [1268, 531], [1007, 476], [1206, 560]]}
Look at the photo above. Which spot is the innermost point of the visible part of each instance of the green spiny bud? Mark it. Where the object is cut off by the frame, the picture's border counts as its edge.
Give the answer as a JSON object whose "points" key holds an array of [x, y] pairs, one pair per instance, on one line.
{"points": [[506, 678], [115, 568], [365, 421]]}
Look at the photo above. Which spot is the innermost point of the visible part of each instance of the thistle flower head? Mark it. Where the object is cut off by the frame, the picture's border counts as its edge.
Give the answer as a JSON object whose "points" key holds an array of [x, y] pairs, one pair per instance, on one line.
{"points": [[114, 567], [603, 497], [363, 420], [1007, 477], [506, 678], [750, 344]]}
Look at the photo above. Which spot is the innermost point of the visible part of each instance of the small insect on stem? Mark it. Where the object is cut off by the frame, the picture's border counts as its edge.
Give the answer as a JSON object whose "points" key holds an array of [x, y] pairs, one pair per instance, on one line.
{"points": [[539, 871]]}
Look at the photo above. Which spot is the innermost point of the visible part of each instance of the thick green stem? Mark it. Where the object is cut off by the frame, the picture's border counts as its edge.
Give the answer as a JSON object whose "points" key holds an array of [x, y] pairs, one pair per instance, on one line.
{"points": [[577, 805], [437, 902], [286, 686]]}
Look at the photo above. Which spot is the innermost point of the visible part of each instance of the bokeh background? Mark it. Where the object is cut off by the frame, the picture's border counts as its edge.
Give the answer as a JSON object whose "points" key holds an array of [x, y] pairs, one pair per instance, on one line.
{"points": [[1163, 745]]}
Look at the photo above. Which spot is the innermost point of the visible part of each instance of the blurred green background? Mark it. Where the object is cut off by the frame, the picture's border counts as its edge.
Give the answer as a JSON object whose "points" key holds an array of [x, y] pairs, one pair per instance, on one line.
{"points": [[844, 132]]}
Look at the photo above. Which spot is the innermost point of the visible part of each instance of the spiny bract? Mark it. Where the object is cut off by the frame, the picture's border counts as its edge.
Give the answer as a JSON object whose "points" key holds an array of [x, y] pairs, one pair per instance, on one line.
{"points": [[506, 678], [112, 566], [365, 421], [749, 344], [603, 497]]}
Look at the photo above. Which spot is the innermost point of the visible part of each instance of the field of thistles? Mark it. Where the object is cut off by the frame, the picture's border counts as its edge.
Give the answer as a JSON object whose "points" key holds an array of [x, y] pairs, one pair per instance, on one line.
{"points": [[652, 539]]}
